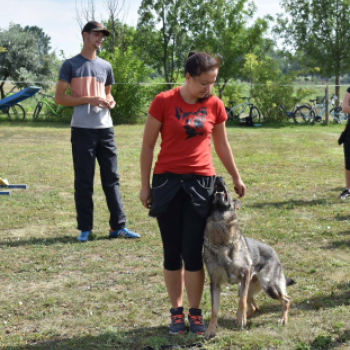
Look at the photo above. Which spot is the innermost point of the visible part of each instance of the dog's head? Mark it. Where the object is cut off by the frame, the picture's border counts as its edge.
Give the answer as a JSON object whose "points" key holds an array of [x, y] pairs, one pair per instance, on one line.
{"points": [[222, 200], [222, 226]]}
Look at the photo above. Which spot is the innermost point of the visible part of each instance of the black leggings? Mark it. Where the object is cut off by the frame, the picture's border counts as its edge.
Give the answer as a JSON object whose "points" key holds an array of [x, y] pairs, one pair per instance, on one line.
{"points": [[182, 231], [347, 150]]}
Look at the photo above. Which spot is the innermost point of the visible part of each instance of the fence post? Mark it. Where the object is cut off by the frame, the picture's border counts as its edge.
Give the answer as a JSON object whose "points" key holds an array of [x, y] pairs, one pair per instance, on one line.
{"points": [[327, 104]]}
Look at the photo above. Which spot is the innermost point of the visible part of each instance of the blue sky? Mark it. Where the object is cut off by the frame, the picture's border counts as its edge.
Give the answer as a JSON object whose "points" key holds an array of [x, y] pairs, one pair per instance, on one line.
{"points": [[58, 18]]}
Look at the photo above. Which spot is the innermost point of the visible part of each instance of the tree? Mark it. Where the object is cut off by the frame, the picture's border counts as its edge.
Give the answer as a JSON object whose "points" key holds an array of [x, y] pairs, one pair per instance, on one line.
{"points": [[43, 40], [317, 32], [162, 36], [115, 25], [223, 30], [85, 13], [121, 36], [169, 29], [129, 92], [270, 87], [25, 58]]}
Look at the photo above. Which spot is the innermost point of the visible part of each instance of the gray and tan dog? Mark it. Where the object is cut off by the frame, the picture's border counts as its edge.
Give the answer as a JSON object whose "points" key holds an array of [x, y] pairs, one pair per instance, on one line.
{"points": [[232, 258]]}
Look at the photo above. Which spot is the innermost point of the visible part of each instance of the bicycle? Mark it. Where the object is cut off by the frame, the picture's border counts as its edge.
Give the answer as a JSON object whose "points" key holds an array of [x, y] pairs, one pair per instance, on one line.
{"points": [[48, 107], [314, 113], [338, 115], [292, 116], [15, 111], [241, 113]]}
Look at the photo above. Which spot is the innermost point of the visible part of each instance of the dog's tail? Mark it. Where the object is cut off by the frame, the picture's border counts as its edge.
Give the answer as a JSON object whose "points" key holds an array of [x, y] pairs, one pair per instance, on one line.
{"points": [[290, 282], [277, 289]]}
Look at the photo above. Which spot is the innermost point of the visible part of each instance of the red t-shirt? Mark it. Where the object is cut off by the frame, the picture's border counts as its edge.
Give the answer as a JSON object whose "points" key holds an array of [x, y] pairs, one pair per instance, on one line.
{"points": [[186, 133]]}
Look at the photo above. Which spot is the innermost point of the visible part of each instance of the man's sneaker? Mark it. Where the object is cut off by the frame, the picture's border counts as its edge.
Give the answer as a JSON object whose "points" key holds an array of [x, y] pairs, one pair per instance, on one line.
{"points": [[177, 325], [344, 194], [123, 233], [84, 236], [196, 323]]}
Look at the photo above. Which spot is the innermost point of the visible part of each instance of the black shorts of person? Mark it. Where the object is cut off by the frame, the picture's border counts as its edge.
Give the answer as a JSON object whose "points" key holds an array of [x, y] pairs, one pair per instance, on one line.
{"points": [[181, 204], [343, 134], [166, 185], [345, 140]]}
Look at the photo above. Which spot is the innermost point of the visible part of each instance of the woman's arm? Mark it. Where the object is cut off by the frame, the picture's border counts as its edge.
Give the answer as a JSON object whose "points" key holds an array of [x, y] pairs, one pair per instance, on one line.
{"points": [[150, 135], [224, 152], [346, 103]]}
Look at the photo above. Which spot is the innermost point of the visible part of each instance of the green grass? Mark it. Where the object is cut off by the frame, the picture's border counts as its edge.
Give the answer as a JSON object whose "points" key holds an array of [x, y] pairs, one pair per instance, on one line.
{"points": [[109, 294]]}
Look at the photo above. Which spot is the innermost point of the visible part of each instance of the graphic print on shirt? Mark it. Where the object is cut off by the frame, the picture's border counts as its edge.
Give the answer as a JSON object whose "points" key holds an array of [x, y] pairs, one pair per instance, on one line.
{"points": [[192, 122]]}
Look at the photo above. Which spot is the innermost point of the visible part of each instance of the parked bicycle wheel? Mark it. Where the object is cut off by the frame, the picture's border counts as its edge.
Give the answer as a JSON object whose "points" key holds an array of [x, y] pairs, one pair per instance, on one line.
{"points": [[303, 114], [338, 115], [255, 114], [37, 110], [229, 114], [16, 112]]}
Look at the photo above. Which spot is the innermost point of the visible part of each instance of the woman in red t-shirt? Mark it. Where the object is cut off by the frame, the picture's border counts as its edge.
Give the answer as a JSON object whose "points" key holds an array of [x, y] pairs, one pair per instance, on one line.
{"points": [[183, 179]]}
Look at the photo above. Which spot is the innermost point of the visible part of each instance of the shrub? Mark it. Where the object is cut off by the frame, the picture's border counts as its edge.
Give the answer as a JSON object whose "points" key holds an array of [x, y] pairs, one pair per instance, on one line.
{"points": [[130, 90], [270, 88]]}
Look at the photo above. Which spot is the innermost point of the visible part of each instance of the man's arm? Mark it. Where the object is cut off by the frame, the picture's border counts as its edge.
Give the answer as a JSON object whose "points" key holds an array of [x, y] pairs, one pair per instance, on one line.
{"points": [[109, 96], [61, 98]]}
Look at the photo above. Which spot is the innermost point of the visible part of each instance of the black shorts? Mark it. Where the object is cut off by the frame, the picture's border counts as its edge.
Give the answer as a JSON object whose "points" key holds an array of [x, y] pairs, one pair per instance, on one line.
{"points": [[182, 231], [347, 151], [181, 204]]}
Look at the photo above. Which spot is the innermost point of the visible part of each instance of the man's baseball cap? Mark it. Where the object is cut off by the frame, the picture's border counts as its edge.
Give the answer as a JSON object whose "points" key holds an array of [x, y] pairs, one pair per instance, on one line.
{"points": [[94, 26]]}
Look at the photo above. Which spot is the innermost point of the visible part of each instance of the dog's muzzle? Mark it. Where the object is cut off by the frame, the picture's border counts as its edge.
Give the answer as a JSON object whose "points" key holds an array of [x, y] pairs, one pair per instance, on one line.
{"points": [[220, 201]]}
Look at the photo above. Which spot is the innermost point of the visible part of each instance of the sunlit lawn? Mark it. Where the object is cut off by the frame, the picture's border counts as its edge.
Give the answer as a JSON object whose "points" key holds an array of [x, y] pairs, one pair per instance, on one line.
{"points": [[109, 294]]}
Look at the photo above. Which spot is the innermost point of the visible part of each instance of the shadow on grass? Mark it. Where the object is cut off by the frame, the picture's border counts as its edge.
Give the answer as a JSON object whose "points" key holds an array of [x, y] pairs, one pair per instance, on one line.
{"points": [[264, 125], [48, 241], [156, 338], [291, 204], [31, 124], [329, 342], [339, 244], [342, 217], [276, 125], [58, 124], [338, 189], [340, 297]]}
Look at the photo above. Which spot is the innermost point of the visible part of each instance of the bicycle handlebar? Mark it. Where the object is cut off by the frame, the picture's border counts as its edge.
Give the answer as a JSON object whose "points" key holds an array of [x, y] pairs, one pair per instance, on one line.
{"points": [[334, 96], [40, 93]]}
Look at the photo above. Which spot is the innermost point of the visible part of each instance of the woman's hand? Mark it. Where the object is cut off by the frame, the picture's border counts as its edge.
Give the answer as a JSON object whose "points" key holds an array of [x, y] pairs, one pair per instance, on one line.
{"points": [[239, 188], [146, 197]]}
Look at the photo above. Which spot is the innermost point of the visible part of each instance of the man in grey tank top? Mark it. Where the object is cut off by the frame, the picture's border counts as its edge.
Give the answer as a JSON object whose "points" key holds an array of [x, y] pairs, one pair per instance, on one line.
{"points": [[90, 79]]}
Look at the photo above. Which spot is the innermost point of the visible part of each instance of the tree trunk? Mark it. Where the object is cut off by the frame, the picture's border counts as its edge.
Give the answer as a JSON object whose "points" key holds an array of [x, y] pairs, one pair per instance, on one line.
{"points": [[2, 92], [165, 52], [221, 89], [337, 88]]}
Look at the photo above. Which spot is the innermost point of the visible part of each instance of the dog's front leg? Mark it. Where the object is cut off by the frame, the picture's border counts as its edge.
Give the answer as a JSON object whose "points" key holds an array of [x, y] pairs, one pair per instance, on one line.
{"points": [[215, 291], [242, 307]]}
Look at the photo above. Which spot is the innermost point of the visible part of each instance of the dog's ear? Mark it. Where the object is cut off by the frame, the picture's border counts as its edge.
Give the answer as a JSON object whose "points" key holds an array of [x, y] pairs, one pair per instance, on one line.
{"points": [[237, 204]]}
